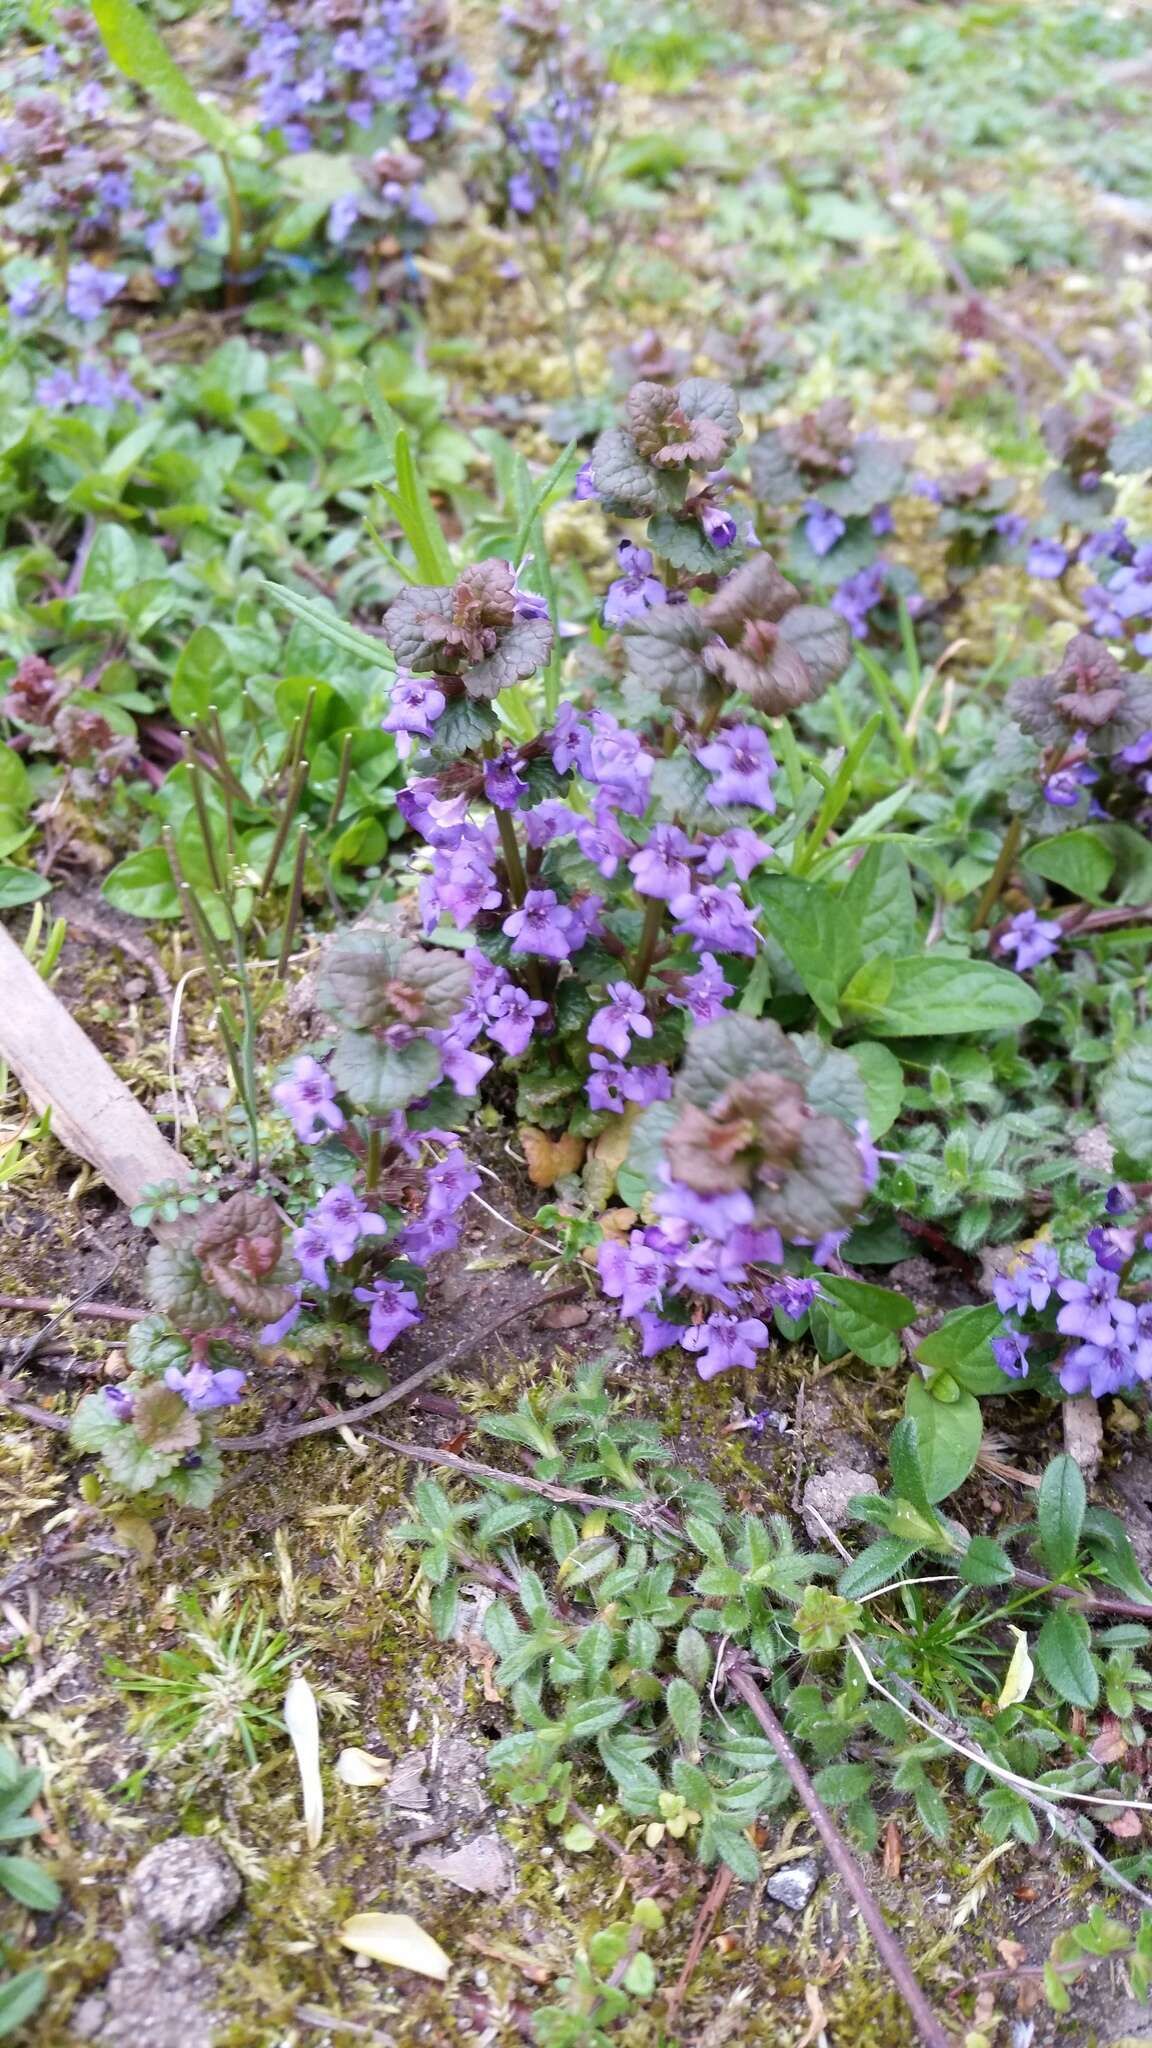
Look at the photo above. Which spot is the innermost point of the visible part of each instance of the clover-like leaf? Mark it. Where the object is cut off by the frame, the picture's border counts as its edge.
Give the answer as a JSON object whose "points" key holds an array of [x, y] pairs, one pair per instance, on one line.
{"points": [[756, 590], [726, 1051], [1130, 450], [683, 544], [241, 1250], [664, 647], [413, 625], [152, 1346], [822, 639], [627, 483], [1072, 505]]}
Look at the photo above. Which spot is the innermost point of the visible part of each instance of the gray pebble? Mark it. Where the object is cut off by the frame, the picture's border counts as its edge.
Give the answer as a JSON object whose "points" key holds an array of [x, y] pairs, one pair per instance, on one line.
{"points": [[184, 1886], [793, 1885]]}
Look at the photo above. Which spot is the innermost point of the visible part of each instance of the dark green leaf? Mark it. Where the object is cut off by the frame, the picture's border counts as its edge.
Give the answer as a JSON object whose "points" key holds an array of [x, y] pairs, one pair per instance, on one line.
{"points": [[875, 1567], [961, 1347], [928, 996], [1080, 862], [1063, 1652], [948, 1437], [1060, 1505]]}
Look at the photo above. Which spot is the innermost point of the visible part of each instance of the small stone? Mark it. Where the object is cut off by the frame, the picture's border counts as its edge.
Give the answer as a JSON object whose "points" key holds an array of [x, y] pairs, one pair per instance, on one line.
{"points": [[481, 1865], [828, 1494], [184, 1886], [406, 1787], [793, 1886]]}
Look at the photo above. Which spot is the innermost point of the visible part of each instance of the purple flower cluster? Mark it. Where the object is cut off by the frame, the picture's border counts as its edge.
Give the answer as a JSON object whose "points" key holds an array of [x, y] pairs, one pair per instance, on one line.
{"points": [[90, 383], [323, 75], [1113, 1335]]}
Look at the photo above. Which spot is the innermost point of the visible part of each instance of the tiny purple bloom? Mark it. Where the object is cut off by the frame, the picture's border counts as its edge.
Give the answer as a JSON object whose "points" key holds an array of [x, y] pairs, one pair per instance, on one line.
{"points": [[343, 1217], [394, 1309], [308, 1097], [204, 1389], [1048, 559], [703, 993], [542, 926], [725, 1340], [742, 764], [503, 783], [1011, 1353], [822, 528], [633, 1274], [623, 1018], [1031, 938]]}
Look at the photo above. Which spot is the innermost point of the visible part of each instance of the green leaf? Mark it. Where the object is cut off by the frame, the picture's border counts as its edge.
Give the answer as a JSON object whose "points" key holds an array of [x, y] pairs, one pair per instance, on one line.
{"points": [[28, 1884], [879, 900], [816, 931], [875, 1567], [19, 886], [840, 1784], [143, 885], [961, 1346], [866, 1317], [138, 52], [323, 620], [927, 996], [733, 1848], [1079, 861], [204, 676], [20, 1997], [1110, 1547], [586, 1718], [1130, 450], [948, 1437], [904, 1464], [413, 510], [1063, 1652], [1060, 1505], [15, 788], [985, 1563], [378, 1077], [1126, 1099], [443, 1607], [883, 1078], [683, 1704]]}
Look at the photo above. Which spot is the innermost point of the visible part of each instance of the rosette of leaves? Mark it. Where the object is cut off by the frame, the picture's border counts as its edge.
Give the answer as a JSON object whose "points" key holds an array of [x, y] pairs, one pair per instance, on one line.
{"points": [[750, 1112], [227, 1263], [971, 502], [472, 633], [644, 466], [1087, 692], [1082, 445], [388, 995], [819, 456], [755, 635]]}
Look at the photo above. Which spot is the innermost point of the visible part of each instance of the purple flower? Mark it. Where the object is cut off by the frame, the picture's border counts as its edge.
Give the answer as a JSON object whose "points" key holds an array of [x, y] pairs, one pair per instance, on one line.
{"points": [[568, 738], [601, 841], [1099, 1369], [1111, 1249], [463, 1068], [120, 1401], [546, 821], [703, 993], [394, 1308], [273, 1332], [511, 1015], [822, 528], [1010, 1350], [725, 1340], [1090, 1306], [440, 821], [716, 1215], [719, 917], [462, 883], [542, 926], [1138, 753], [612, 1086], [1062, 789], [1028, 1282], [343, 215], [204, 1389], [414, 706], [739, 848], [717, 526], [621, 1019], [616, 760], [880, 520], [633, 1274], [503, 783], [313, 1249], [1047, 558], [24, 296], [1111, 541], [89, 291], [860, 594], [793, 1297], [638, 590], [450, 1182], [742, 764], [308, 1096], [343, 1217], [1120, 1198], [656, 1334], [661, 868], [521, 193], [424, 1240], [1011, 526], [1031, 938], [585, 484]]}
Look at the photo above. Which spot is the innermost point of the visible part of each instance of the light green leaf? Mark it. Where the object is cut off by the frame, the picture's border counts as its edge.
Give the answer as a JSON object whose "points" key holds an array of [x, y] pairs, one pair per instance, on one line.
{"points": [[139, 53], [961, 1346], [948, 1437], [1080, 862], [1064, 1654], [926, 996], [1060, 1505]]}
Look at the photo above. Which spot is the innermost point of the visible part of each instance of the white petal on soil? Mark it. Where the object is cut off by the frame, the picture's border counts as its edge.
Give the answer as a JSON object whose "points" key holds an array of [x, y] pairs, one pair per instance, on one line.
{"points": [[1019, 1675], [397, 1939], [302, 1720], [356, 1767]]}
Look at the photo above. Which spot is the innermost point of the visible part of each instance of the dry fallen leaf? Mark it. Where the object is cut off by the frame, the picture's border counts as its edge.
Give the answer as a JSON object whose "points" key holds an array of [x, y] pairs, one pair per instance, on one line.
{"points": [[356, 1767], [396, 1939], [302, 1720], [549, 1159], [566, 1315], [1020, 1673], [1126, 1826], [893, 1851]]}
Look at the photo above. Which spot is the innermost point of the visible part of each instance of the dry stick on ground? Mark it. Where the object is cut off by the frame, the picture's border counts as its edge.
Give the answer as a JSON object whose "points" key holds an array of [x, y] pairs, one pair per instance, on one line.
{"points": [[931, 2031], [272, 1439], [705, 1921], [97, 1311], [649, 1516]]}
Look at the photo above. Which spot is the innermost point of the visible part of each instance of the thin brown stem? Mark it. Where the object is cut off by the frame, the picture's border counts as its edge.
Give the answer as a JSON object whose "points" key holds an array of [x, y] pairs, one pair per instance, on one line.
{"points": [[649, 940], [929, 2028], [994, 887]]}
